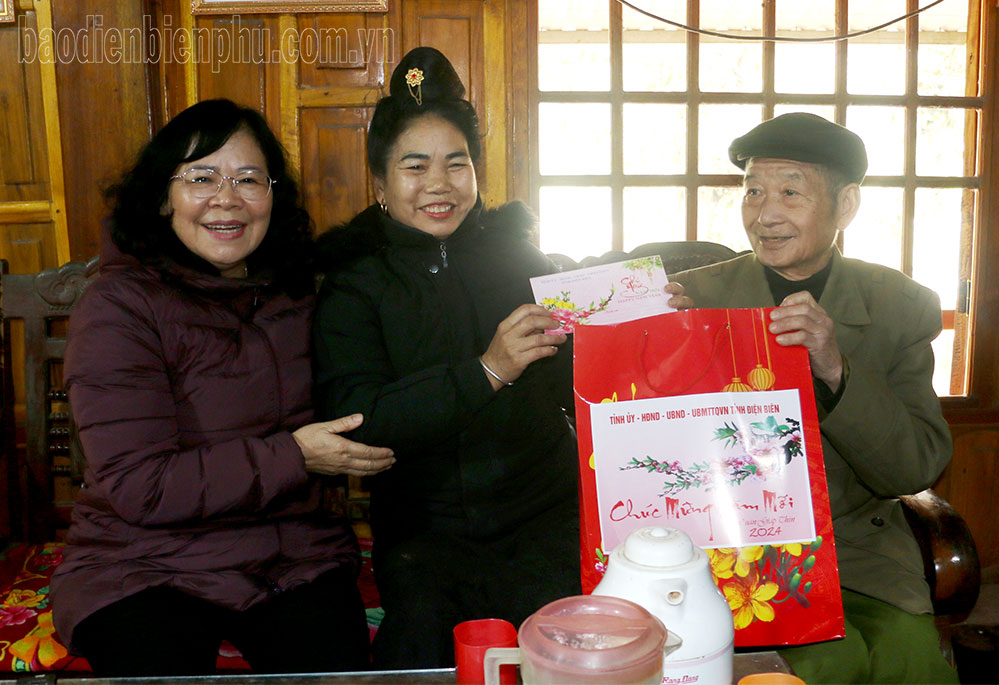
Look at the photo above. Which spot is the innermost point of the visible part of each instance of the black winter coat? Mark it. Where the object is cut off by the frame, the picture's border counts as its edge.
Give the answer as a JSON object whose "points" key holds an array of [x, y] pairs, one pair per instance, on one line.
{"points": [[401, 321]]}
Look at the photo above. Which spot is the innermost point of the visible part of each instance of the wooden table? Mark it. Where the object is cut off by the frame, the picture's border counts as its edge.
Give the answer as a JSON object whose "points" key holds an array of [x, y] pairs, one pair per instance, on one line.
{"points": [[754, 662]]}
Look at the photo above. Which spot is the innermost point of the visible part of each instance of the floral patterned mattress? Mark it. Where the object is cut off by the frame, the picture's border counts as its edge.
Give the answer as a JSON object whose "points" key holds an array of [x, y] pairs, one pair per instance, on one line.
{"points": [[28, 641]]}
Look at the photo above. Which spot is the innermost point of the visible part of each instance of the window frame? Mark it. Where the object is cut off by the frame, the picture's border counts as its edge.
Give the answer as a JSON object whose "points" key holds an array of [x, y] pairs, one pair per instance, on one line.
{"points": [[981, 321]]}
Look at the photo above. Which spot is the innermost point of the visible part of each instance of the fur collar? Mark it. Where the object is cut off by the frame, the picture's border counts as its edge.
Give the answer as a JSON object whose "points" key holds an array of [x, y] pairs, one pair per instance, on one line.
{"points": [[364, 235]]}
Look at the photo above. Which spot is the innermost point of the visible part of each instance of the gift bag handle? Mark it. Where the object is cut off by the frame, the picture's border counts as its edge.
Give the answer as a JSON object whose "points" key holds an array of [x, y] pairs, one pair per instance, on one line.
{"points": [[736, 384], [695, 381]]}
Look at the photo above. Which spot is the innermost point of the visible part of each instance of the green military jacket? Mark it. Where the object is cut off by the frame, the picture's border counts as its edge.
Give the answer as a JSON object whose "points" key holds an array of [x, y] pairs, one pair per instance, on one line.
{"points": [[886, 436]]}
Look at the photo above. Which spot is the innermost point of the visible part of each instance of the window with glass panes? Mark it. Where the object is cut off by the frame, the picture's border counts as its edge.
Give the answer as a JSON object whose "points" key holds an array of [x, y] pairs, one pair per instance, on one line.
{"points": [[633, 118]]}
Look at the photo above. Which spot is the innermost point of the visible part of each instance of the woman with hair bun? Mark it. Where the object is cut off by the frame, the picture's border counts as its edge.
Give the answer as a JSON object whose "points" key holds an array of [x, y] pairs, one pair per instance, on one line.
{"points": [[425, 324]]}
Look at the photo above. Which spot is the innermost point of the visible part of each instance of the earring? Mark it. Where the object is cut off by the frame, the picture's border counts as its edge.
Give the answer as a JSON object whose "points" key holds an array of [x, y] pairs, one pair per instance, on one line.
{"points": [[381, 203]]}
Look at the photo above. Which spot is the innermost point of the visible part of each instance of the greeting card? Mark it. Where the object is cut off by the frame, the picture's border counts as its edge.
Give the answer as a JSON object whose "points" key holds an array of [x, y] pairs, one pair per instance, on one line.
{"points": [[604, 294]]}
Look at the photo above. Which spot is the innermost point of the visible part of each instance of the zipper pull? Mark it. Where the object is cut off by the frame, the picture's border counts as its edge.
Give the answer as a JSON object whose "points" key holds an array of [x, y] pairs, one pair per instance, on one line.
{"points": [[444, 254]]}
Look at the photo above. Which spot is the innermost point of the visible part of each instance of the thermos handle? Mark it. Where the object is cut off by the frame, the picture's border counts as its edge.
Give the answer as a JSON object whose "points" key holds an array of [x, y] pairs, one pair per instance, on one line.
{"points": [[495, 657]]}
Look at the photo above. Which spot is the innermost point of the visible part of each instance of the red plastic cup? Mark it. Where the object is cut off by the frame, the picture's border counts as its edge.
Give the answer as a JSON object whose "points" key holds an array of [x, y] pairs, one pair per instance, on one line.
{"points": [[472, 639]]}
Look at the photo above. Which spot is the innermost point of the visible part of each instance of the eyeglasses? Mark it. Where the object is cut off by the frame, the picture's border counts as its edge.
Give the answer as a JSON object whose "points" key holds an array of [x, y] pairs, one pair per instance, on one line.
{"points": [[205, 183]]}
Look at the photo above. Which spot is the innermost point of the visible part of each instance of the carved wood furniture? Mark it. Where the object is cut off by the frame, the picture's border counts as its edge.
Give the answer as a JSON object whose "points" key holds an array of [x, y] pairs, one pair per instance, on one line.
{"points": [[950, 559], [48, 469]]}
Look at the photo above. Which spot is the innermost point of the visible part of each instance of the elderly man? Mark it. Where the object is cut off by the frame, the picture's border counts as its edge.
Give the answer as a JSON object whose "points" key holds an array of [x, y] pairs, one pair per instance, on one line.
{"points": [[868, 330]]}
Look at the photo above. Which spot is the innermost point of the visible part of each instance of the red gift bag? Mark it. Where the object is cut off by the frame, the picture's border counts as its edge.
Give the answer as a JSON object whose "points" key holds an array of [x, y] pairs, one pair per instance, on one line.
{"points": [[699, 420]]}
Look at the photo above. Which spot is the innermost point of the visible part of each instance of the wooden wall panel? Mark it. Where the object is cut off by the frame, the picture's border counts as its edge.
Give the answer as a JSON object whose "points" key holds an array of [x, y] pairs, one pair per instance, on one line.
{"points": [[334, 164], [237, 63], [27, 247], [518, 101], [168, 94], [455, 28], [103, 112], [23, 162], [349, 51]]}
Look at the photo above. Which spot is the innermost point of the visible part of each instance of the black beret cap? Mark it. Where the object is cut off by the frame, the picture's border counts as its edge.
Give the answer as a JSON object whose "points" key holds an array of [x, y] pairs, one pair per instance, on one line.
{"points": [[803, 137]]}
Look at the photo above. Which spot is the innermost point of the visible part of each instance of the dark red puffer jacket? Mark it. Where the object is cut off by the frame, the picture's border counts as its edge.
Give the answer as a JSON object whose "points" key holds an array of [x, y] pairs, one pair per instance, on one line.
{"points": [[186, 389]]}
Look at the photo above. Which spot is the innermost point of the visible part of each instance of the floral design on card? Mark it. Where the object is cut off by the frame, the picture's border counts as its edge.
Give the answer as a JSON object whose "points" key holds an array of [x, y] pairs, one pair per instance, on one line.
{"points": [[604, 294], [569, 314]]}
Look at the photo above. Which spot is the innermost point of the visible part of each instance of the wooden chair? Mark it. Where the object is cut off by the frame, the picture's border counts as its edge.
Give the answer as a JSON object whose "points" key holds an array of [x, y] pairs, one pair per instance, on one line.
{"points": [[950, 558], [44, 474], [685, 254], [950, 562], [678, 255]]}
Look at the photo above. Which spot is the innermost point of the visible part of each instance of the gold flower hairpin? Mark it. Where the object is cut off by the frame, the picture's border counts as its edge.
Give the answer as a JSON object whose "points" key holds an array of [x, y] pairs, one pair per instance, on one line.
{"points": [[414, 77]]}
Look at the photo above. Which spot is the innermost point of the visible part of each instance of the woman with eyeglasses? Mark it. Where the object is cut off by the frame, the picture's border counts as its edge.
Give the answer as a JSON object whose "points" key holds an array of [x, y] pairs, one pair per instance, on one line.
{"points": [[189, 376]]}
